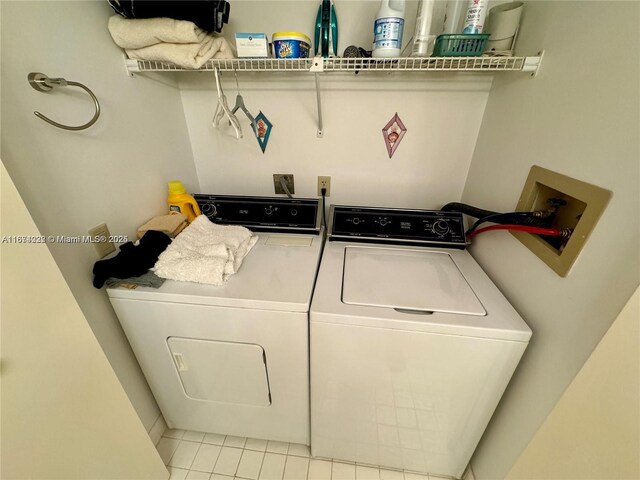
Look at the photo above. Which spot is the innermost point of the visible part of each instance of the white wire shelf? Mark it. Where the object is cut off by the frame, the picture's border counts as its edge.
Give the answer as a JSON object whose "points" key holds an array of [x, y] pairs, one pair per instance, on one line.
{"points": [[413, 64], [319, 65], [409, 64], [246, 65]]}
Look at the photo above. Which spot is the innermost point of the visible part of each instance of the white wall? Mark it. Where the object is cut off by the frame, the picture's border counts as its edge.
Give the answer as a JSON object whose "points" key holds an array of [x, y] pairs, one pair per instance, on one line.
{"points": [[593, 431], [579, 117], [441, 112], [64, 414], [114, 172]]}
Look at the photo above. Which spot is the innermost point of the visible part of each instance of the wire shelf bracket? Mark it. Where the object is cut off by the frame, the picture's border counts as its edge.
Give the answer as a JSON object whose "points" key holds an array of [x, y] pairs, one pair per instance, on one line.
{"points": [[320, 132], [532, 64]]}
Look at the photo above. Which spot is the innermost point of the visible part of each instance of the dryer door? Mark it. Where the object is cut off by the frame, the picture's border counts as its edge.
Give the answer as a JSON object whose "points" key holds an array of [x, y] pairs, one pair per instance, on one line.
{"points": [[217, 371]]}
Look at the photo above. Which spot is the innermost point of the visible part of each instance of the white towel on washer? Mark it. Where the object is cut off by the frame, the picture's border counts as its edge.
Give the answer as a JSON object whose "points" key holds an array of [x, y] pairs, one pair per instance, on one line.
{"points": [[205, 252]]}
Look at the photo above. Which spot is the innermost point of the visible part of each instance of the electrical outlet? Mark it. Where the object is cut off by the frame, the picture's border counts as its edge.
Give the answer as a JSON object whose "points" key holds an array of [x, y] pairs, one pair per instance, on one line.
{"points": [[570, 204], [324, 182], [287, 179], [101, 240]]}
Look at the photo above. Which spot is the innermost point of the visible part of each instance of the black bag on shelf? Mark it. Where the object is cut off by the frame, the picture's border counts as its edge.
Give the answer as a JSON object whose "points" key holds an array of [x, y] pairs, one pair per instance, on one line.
{"points": [[209, 15]]}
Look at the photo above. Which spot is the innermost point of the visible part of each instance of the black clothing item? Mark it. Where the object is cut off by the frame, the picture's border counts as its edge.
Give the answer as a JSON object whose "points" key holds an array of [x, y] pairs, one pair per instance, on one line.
{"points": [[132, 261], [209, 15]]}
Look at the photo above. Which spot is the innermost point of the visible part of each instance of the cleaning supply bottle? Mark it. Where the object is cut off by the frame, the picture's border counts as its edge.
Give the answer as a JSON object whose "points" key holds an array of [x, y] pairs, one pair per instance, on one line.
{"points": [[476, 13], [388, 28], [453, 16], [181, 202], [423, 40]]}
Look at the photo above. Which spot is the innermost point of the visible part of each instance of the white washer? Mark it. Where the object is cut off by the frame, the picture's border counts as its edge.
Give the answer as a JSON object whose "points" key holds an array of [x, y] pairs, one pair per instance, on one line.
{"points": [[233, 359], [412, 346]]}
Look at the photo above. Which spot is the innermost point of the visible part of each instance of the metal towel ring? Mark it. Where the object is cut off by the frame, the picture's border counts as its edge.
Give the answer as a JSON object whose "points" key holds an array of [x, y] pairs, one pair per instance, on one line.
{"points": [[42, 83]]}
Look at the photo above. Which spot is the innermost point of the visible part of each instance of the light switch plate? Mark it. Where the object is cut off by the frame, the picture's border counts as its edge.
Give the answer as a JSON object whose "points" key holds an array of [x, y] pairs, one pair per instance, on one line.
{"points": [[101, 239]]}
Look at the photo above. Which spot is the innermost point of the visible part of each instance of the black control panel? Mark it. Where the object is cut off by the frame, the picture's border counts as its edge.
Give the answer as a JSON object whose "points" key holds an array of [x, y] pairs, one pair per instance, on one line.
{"points": [[262, 213], [397, 225]]}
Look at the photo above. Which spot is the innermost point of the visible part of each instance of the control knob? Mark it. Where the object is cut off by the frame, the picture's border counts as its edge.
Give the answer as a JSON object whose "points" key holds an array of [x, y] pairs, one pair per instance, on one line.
{"points": [[209, 209], [383, 222], [440, 227], [268, 210], [355, 221]]}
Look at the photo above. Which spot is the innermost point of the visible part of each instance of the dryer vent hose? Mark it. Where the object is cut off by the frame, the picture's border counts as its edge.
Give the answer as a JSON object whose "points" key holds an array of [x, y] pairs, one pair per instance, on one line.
{"points": [[540, 220]]}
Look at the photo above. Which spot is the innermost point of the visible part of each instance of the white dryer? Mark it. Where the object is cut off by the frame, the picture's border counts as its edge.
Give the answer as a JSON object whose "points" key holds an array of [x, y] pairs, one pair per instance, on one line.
{"points": [[412, 345], [233, 359]]}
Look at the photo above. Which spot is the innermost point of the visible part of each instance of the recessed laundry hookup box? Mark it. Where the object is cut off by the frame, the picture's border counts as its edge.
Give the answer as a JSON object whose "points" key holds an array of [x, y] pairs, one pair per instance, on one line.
{"points": [[252, 45]]}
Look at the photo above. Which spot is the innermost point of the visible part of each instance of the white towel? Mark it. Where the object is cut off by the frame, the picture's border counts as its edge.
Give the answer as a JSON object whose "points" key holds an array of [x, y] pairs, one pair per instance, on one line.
{"points": [[185, 55], [205, 252], [132, 33]]}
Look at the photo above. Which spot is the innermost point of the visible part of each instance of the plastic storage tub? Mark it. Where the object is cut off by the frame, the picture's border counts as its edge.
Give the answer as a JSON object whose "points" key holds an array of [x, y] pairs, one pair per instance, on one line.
{"points": [[291, 45]]}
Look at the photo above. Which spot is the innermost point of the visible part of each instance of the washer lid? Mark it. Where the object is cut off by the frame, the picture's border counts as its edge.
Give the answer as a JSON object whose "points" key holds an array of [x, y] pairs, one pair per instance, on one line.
{"points": [[407, 279]]}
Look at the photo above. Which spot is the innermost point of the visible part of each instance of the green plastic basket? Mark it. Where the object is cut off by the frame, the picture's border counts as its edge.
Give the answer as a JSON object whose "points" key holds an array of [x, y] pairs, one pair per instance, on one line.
{"points": [[460, 45]]}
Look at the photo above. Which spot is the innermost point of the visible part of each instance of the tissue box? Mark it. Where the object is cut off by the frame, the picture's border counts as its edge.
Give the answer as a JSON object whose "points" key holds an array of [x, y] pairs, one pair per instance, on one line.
{"points": [[252, 45]]}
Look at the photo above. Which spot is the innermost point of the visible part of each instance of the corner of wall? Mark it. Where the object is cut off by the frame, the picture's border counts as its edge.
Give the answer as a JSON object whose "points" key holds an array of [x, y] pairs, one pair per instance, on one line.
{"points": [[556, 120], [114, 172]]}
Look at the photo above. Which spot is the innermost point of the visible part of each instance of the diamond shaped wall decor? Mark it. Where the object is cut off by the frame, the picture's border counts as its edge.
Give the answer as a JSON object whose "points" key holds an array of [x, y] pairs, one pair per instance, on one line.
{"points": [[393, 133], [264, 130]]}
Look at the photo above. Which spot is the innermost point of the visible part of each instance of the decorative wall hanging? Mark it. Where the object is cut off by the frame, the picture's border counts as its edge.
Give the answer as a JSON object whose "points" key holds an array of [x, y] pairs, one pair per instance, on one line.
{"points": [[393, 133], [264, 130]]}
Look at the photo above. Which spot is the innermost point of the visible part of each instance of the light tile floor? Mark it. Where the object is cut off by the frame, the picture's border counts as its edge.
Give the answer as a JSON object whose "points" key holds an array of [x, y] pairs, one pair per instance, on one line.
{"points": [[198, 456]]}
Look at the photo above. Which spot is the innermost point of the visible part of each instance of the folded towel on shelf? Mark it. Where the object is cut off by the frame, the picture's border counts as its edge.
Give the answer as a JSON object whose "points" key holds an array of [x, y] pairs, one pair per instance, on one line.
{"points": [[205, 252], [171, 225], [185, 55], [151, 31]]}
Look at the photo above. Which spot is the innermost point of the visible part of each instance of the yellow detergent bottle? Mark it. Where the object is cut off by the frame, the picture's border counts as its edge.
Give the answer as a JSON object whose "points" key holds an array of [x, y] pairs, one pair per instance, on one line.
{"points": [[181, 202]]}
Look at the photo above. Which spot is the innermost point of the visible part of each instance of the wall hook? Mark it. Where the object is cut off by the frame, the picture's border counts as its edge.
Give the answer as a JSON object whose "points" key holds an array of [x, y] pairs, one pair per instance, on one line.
{"points": [[42, 83]]}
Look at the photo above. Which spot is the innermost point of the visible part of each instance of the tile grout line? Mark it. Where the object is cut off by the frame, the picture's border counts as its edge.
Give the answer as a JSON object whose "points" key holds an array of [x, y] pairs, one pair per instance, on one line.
{"points": [[261, 463], [286, 461], [308, 464], [194, 458], [239, 460], [172, 453]]}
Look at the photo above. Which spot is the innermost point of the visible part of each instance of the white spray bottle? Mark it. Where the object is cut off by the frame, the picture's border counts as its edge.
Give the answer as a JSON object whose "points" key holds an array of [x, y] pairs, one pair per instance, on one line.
{"points": [[476, 13]]}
